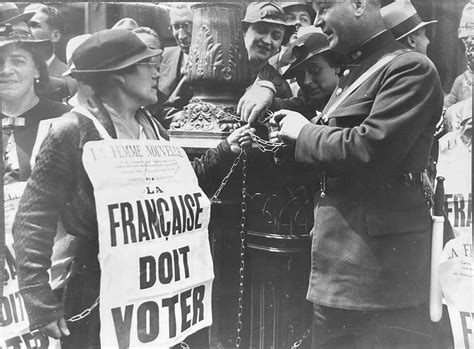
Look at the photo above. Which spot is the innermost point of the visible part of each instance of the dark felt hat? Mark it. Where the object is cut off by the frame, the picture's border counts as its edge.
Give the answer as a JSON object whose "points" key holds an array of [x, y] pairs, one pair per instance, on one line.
{"points": [[9, 13], [401, 18], [110, 50], [22, 37], [303, 49]]}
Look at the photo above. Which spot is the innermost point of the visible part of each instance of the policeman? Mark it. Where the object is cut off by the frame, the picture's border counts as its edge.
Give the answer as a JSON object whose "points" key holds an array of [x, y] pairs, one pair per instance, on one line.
{"points": [[369, 280]]}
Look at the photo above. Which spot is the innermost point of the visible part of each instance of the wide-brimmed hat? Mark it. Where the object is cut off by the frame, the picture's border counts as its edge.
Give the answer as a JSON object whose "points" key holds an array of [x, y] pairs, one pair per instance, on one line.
{"points": [[23, 38], [401, 18], [266, 11], [288, 6], [109, 50], [9, 13], [303, 49]]}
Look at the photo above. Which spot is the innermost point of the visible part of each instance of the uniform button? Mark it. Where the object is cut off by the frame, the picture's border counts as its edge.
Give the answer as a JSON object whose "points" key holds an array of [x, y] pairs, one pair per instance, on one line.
{"points": [[338, 91], [346, 72]]}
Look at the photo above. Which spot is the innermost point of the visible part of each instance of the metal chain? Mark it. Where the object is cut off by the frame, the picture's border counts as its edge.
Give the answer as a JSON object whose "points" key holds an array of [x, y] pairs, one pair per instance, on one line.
{"points": [[264, 145], [214, 197], [243, 206], [184, 345], [300, 341], [84, 313]]}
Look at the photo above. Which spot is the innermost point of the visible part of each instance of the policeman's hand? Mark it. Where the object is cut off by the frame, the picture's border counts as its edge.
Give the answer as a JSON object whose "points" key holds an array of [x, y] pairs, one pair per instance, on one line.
{"points": [[240, 138], [274, 133], [291, 123], [254, 101], [55, 329]]}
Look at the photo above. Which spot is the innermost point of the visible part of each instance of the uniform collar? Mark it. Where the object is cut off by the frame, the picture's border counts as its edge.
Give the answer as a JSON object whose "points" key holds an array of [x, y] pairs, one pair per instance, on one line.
{"points": [[370, 46]]}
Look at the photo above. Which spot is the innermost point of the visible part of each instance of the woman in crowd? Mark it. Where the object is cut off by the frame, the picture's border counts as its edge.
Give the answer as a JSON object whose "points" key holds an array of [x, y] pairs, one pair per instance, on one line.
{"points": [[122, 72], [265, 30], [23, 79]]}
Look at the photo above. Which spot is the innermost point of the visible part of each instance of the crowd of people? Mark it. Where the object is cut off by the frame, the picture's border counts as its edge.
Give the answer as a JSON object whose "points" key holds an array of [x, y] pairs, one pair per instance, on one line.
{"points": [[352, 92]]}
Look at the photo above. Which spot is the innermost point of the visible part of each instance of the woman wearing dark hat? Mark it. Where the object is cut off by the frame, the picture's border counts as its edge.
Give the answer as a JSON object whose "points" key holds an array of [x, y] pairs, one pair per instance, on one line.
{"points": [[122, 72], [23, 80], [314, 68], [265, 30]]}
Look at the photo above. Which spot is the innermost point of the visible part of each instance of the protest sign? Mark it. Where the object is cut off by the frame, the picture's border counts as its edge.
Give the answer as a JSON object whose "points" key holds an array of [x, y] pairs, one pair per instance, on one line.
{"points": [[457, 279], [14, 324], [154, 254], [456, 263], [454, 164]]}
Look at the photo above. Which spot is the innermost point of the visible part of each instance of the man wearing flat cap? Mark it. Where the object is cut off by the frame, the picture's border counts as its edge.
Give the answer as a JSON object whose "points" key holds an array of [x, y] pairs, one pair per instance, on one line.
{"points": [[299, 14], [370, 267], [401, 18]]}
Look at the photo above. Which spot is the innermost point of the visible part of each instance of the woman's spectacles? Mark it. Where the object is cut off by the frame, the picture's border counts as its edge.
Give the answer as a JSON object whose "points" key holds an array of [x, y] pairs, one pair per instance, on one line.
{"points": [[151, 62], [186, 26]]}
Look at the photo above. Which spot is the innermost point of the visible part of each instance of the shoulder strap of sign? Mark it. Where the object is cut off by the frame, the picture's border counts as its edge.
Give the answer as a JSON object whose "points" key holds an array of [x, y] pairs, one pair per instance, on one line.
{"points": [[100, 128], [367, 74]]}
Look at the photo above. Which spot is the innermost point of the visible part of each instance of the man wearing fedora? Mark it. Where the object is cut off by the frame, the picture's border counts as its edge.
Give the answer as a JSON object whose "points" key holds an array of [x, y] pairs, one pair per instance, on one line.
{"points": [[370, 268], [401, 18]]}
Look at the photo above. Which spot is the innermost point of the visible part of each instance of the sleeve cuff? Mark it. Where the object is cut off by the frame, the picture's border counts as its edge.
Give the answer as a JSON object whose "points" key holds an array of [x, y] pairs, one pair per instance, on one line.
{"points": [[41, 305], [305, 143]]}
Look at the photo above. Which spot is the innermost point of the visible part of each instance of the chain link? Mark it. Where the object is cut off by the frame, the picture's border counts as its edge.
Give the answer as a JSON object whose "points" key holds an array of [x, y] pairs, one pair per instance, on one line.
{"points": [[215, 197], [184, 345], [264, 145], [84, 313], [243, 206], [300, 341]]}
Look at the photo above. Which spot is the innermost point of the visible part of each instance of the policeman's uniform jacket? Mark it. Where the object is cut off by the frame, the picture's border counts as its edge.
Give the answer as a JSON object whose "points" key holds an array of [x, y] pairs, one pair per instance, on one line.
{"points": [[371, 235]]}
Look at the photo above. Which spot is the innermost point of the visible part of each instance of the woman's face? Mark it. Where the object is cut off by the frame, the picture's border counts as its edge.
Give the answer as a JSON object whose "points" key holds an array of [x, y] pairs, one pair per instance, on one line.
{"points": [[263, 40], [141, 83], [317, 79], [17, 73]]}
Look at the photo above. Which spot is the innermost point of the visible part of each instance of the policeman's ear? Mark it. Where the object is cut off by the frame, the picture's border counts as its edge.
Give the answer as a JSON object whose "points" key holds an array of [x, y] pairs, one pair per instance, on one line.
{"points": [[359, 7], [410, 41]]}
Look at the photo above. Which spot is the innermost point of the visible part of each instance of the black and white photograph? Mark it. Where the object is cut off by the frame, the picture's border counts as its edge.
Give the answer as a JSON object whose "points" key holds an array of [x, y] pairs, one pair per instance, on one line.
{"points": [[237, 174]]}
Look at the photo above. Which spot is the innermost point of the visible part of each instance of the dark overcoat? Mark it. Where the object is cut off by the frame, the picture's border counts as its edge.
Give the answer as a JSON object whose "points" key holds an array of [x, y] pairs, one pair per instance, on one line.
{"points": [[371, 236]]}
